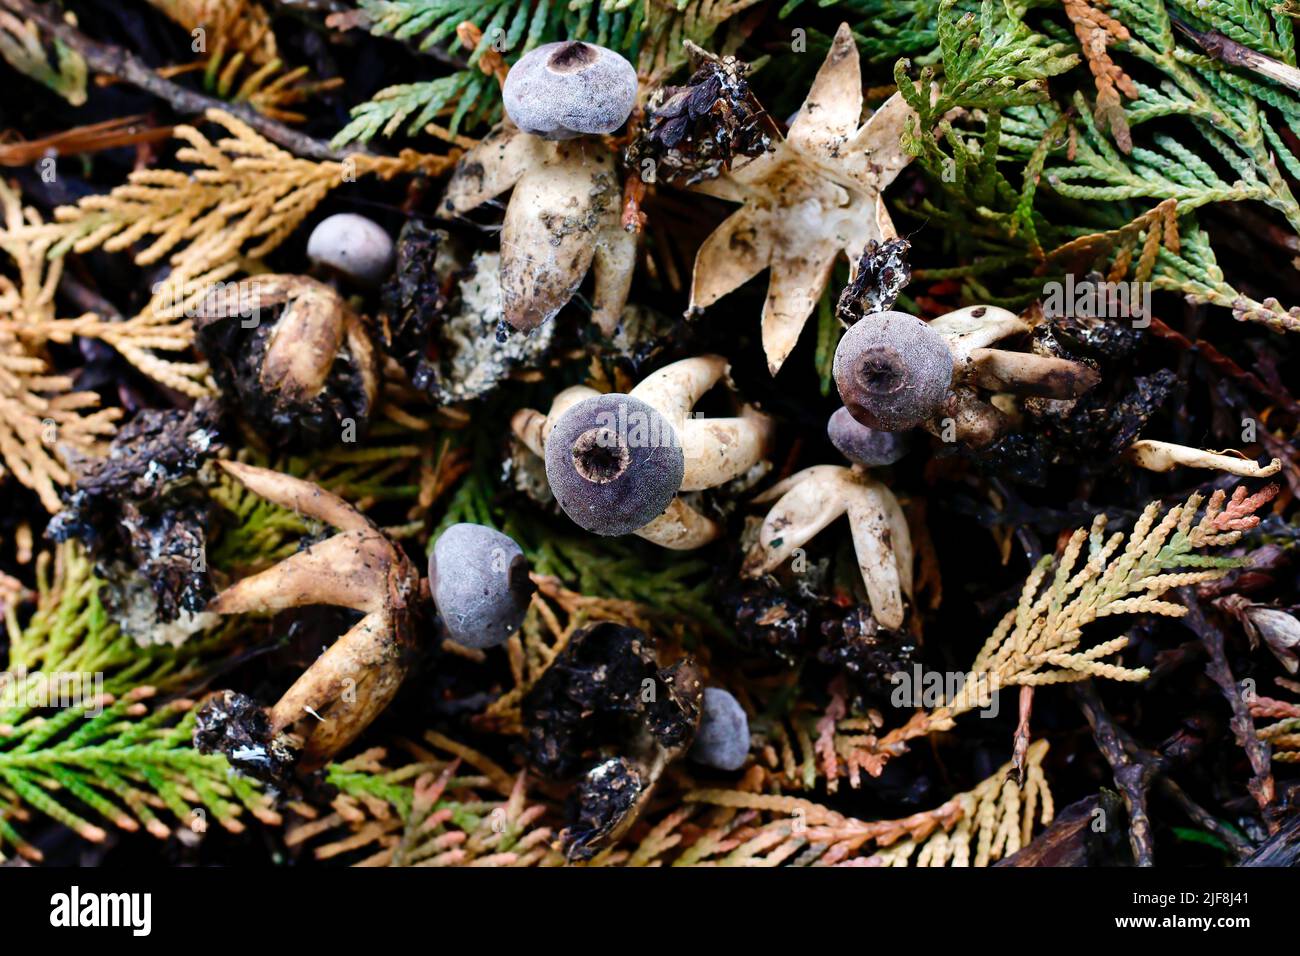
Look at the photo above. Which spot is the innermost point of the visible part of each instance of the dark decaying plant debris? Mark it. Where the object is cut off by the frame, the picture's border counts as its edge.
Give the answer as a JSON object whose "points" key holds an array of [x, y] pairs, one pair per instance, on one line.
{"points": [[442, 319], [143, 513], [238, 727], [714, 441], [864, 652], [1092, 430], [605, 695], [291, 355], [606, 689], [696, 132], [883, 272]]}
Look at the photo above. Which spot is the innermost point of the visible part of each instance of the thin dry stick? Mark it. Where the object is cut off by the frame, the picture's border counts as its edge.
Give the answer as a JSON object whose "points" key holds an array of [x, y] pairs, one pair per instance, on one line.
{"points": [[1133, 776], [1242, 723], [1137, 769], [126, 66]]}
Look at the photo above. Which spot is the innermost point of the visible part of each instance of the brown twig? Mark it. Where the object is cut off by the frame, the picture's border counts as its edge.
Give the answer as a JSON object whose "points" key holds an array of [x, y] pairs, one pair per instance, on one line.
{"points": [[1133, 774], [1203, 818], [1154, 768], [1281, 849], [1071, 840], [1229, 51], [88, 299], [634, 219], [127, 67], [124, 131], [1243, 725], [1222, 363]]}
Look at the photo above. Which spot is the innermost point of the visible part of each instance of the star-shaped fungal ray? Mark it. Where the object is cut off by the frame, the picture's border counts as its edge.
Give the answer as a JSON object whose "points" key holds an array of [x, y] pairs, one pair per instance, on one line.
{"points": [[562, 219], [817, 194]]}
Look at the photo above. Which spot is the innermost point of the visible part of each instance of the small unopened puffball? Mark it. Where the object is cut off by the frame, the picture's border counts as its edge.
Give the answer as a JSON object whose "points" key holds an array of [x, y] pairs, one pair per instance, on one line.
{"points": [[862, 445], [722, 741], [352, 246], [893, 371], [567, 89], [479, 581]]}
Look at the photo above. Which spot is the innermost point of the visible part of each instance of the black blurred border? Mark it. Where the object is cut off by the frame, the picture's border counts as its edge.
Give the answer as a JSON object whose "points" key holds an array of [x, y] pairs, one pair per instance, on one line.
{"points": [[559, 908]]}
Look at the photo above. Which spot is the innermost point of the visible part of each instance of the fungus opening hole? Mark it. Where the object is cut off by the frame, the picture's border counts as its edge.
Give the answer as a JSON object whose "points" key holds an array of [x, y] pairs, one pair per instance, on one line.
{"points": [[881, 370], [572, 57], [517, 577], [598, 455]]}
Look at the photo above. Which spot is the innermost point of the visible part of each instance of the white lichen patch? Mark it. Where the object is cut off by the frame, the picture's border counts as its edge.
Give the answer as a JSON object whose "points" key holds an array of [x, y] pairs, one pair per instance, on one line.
{"points": [[475, 360]]}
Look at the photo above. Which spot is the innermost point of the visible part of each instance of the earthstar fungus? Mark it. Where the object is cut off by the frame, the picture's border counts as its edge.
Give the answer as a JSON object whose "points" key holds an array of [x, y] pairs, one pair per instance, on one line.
{"points": [[607, 483], [869, 447], [722, 742], [815, 195], [292, 353], [1166, 456], [895, 371], [352, 247], [358, 568], [812, 499], [616, 462], [569, 88], [564, 216]]}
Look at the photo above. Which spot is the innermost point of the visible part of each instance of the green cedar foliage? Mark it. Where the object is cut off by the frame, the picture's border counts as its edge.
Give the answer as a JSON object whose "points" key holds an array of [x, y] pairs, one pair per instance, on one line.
{"points": [[1033, 178]]}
